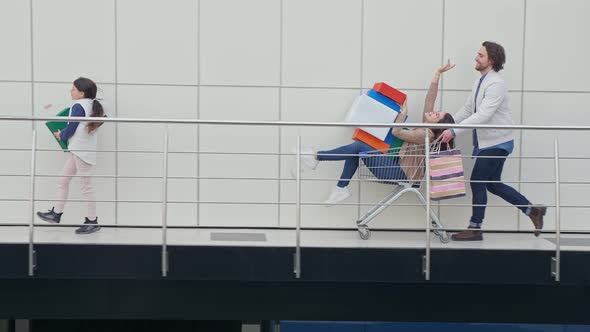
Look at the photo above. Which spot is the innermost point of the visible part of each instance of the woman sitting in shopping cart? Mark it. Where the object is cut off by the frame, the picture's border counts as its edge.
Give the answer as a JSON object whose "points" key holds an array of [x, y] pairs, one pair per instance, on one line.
{"points": [[409, 164]]}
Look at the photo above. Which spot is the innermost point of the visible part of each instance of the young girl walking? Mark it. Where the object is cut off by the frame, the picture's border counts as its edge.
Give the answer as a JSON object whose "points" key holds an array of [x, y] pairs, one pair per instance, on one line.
{"points": [[81, 156]]}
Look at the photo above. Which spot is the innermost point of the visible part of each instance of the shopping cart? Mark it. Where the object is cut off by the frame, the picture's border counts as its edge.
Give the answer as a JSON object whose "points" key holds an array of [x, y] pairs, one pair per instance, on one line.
{"points": [[406, 175]]}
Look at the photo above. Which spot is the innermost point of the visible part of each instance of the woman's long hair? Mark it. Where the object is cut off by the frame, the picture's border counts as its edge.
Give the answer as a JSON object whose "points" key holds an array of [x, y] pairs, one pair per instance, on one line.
{"points": [[88, 87], [448, 118]]}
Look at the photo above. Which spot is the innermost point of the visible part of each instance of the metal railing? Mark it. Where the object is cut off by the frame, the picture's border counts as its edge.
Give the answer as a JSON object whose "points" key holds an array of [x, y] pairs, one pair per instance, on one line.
{"points": [[298, 203]]}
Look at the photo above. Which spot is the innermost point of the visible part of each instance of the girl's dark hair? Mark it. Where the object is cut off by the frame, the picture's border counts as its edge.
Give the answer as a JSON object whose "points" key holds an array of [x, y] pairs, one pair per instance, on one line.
{"points": [[88, 87], [448, 118], [496, 54]]}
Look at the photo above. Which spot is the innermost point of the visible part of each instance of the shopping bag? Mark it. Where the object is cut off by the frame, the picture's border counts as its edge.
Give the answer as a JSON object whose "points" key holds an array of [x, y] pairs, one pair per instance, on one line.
{"points": [[446, 174], [54, 126]]}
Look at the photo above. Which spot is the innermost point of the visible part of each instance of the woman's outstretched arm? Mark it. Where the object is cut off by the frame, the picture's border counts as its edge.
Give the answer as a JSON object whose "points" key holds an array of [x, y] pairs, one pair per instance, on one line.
{"points": [[431, 94], [433, 89]]}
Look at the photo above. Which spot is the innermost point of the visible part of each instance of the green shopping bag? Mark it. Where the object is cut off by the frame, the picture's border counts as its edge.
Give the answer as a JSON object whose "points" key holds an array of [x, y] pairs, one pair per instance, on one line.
{"points": [[54, 126]]}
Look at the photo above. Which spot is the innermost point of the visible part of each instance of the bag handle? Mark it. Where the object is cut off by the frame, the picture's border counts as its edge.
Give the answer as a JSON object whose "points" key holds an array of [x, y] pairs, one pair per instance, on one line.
{"points": [[438, 144], [435, 147]]}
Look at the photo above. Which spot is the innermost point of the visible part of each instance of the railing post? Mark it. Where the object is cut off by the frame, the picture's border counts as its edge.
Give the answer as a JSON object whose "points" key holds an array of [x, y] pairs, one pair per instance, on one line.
{"points": [[32, 263], [426, 265], [297, 261], [164, 206], [557, 259]]}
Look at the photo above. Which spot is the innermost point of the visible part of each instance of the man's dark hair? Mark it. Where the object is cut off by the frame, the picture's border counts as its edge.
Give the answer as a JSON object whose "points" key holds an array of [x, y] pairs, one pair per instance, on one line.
{"points": [[496, 54]]}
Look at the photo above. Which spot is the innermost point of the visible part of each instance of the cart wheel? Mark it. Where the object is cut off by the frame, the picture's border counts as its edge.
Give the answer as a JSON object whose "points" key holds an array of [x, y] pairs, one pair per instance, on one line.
{"points": [[436, 229], [444, 237], [364, 232]]}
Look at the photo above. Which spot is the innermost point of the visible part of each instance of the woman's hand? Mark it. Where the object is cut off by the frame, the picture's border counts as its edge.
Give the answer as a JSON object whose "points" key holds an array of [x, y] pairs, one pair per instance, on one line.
{"points": [[446, 67], [57, 134], [404, 111], [401, 116]]}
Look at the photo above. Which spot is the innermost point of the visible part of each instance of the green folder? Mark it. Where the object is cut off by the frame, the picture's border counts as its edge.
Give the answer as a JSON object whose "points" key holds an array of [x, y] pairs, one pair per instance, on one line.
{"points": [[54, 126], [395, 146]]}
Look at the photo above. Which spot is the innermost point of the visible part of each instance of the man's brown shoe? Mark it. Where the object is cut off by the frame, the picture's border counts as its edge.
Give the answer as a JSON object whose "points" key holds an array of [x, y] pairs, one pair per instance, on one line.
{"points": [[470, 234], [537, 213]]}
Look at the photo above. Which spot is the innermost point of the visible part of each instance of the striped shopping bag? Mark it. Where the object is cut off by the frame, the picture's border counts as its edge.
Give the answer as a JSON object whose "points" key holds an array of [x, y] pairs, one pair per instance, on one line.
{"points": [[446, 175]]}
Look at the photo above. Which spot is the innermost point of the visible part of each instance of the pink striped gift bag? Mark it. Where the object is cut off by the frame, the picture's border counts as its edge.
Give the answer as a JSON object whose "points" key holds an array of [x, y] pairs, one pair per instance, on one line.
{"points": [[446, 175]]}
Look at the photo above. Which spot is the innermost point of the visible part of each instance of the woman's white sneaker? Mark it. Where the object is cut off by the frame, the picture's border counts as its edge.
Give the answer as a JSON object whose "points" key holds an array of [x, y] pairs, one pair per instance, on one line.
{"points": [[308, 160], [308, 157], [338, 195]]}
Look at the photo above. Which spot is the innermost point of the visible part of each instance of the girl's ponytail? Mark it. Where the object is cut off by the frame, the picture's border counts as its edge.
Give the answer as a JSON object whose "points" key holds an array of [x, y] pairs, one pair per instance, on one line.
{"points": [[97, 112]]}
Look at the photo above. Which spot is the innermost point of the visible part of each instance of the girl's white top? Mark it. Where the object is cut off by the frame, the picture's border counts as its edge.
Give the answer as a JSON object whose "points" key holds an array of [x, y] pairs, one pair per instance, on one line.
{"points": [[83, 144]]}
